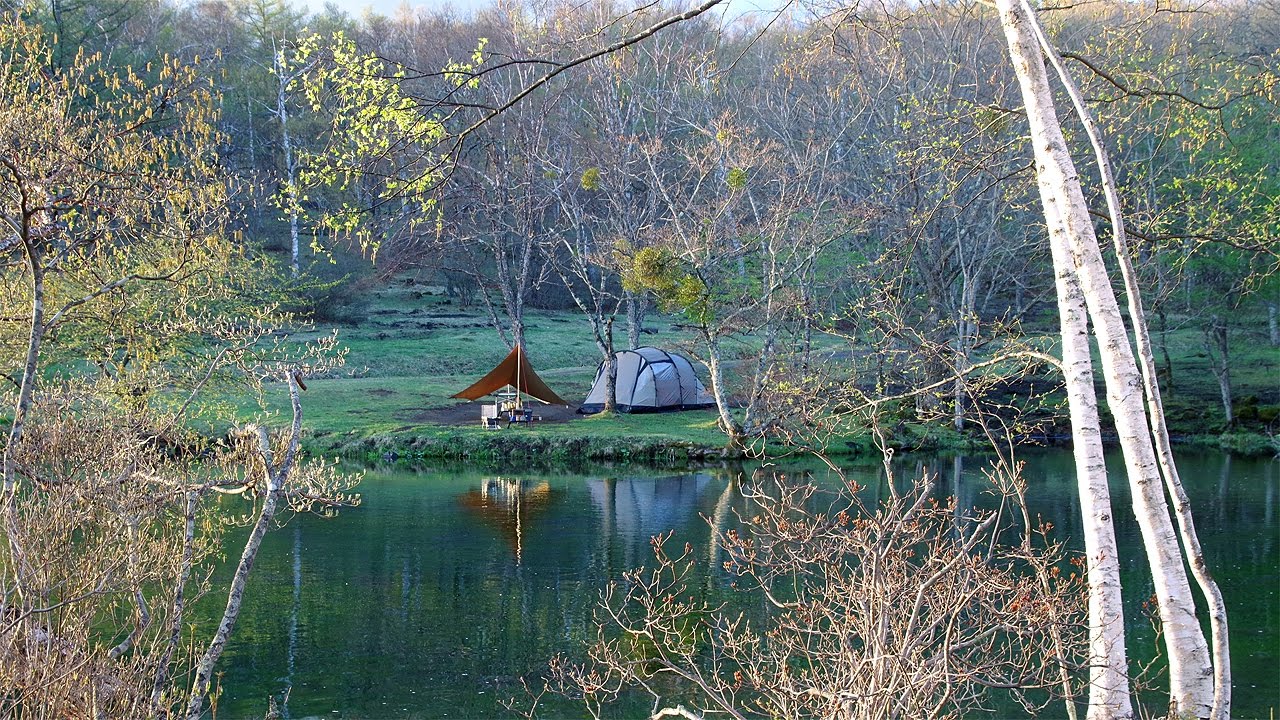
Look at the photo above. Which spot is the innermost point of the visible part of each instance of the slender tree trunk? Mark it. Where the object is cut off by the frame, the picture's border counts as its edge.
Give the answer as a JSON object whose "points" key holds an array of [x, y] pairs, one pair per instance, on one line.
{"points": [[933, 367], [1108, 658], [290, 166], [610, 369], [636, 305], [1190, 670], [1221, 709], [275, 478], [966, 329], [517, 330], [158, 701], [142, 616], [731, 427], [520, 291], [1108, 661], [1273, 324], [30, 369], [492, 312], [21, 408], [1217, 343], [1164, 349], [248, 113], [514, 282], [806, 323], [765, 356]]}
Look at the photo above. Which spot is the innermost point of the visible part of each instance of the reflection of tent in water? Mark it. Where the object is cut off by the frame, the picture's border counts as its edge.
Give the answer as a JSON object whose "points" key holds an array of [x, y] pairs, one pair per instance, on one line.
{"points": [[516, 372], [509, 505], [643, 507]]}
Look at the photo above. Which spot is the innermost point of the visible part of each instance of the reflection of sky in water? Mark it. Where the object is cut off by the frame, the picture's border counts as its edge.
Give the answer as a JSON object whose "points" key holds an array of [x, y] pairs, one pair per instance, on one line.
{"points": [[445, 588]]}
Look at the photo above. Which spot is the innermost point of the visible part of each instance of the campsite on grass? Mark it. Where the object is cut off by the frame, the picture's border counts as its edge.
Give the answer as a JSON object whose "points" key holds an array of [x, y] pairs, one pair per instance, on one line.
{"points": [[670, 360]]}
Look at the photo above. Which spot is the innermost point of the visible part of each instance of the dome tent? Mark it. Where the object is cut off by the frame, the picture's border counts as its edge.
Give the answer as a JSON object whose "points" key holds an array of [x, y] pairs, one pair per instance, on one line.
{"points": [[649, 380]]}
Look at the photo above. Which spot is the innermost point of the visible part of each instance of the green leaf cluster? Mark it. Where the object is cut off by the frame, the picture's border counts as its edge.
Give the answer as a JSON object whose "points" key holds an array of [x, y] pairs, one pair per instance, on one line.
{"points": [[378, 142], [676, 286]]}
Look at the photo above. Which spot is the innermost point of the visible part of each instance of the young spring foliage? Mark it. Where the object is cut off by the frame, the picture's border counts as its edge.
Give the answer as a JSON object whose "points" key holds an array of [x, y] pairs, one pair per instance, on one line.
{"points": [[377, 150]]}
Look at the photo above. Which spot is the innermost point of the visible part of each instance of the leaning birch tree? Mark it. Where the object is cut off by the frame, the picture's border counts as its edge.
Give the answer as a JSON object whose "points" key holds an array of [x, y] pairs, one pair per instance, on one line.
{"points": [[1151, 389], [1073, 240]]}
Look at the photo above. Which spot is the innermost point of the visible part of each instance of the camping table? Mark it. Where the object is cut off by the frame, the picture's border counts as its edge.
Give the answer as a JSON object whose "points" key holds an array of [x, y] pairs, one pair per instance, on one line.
{"points": [[507, 408]]}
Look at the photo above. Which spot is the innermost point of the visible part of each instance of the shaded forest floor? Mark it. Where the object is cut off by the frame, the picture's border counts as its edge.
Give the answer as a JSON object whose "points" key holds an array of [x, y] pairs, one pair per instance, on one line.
{"points": [[410, 348]]}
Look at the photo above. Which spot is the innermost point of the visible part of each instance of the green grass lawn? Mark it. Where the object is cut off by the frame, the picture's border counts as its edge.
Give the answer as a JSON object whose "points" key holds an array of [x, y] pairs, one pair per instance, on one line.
{"points": [[415, 349]]}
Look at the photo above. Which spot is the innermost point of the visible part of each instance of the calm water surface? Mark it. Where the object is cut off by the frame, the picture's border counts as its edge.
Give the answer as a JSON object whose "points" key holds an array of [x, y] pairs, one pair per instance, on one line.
{"points": [[445, 588]]}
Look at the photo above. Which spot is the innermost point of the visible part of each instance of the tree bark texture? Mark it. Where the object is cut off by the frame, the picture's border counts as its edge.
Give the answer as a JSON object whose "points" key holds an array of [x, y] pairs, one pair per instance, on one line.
{"points": [[1151, 388], [30, 367], [1217, 343], [636, 306], [290, 165], [1108, 658], [1071, 237], [731, 426], [275, 477]]}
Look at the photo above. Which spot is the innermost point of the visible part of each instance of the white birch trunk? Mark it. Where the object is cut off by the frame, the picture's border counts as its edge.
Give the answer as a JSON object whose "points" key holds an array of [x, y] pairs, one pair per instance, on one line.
{"points": [[731, 426], [1108, 660], [1151, 388], [290, 166], [275, 477], [1190, 671]]}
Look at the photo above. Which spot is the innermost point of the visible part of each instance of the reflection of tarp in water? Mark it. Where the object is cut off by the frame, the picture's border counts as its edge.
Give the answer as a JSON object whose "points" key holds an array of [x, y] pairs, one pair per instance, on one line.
{"points": [[508, 504], [642, 507]]}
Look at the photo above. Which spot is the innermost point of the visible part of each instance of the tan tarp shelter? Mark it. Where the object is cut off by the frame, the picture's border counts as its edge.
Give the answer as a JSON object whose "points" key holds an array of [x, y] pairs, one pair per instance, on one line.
{"points": [[516, 372]]}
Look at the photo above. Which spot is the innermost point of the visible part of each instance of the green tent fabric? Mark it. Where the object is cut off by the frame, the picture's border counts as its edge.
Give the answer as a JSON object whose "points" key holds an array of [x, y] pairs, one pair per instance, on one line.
{"points": [[515, 371]]}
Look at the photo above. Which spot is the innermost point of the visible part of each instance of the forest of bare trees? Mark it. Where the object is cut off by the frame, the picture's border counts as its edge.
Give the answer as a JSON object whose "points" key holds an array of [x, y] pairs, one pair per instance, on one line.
{"points": [[860, 168]]}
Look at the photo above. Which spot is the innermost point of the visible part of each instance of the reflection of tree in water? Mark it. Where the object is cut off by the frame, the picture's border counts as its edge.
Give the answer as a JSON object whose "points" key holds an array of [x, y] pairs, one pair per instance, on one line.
{"points": [[508, 505]]}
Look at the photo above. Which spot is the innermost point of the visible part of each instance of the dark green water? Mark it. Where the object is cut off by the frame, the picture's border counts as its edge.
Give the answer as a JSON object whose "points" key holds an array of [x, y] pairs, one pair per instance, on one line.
{"points": [[437, 595]]}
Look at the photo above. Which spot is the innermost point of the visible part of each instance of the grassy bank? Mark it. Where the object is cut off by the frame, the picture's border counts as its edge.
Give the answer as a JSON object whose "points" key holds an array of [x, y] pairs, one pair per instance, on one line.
{"points": [[413, 348], [604, 439]]}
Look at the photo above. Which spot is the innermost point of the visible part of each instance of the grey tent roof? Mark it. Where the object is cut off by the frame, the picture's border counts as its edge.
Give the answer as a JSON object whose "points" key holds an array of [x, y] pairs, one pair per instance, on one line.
{"points": [[649, 379]]}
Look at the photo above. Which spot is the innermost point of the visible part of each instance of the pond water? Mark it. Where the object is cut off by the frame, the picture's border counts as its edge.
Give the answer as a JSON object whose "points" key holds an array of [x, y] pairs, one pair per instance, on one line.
{"points": [[446, 587]]}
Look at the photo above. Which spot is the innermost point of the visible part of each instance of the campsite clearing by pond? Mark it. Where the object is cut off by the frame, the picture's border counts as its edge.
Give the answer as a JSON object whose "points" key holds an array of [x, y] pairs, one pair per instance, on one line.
{"points": [[411, 348]]}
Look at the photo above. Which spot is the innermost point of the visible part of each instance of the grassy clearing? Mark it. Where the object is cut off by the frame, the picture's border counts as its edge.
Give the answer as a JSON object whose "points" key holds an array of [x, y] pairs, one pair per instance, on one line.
{"points": [[415, 348], [370, 404]]}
